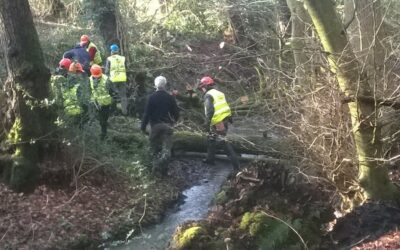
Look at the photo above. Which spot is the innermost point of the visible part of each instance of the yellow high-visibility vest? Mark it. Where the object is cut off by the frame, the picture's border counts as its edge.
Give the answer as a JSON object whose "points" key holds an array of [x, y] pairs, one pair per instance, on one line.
{"points": [[97, 56], [221, 107], [71, 104], [100, 91], [117, 68]]}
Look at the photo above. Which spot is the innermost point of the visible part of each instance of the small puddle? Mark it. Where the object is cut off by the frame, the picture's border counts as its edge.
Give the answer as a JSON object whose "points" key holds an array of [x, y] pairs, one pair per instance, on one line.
{"points": [[195, 207]]}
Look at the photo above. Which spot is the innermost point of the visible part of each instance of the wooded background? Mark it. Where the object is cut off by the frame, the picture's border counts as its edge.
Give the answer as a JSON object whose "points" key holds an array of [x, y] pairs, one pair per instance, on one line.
{"points": [[324, 74]]}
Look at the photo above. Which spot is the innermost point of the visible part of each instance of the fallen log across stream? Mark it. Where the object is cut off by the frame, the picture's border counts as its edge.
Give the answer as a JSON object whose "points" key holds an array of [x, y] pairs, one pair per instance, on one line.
{"points": [[186, 141], [255, 145]]}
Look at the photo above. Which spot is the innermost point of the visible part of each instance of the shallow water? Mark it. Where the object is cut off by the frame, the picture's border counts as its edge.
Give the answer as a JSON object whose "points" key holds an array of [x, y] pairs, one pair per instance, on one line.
{"points": [[196, 203]]}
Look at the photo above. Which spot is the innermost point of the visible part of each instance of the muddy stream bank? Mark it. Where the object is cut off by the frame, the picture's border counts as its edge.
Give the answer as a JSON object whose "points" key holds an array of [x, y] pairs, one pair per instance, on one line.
{"points": [[193, 207]]}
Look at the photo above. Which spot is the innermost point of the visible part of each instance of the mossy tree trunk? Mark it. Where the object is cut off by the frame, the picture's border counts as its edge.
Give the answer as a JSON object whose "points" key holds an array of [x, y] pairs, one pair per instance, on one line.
{"points": [[373, 176], [26, 88], [105, 19]]}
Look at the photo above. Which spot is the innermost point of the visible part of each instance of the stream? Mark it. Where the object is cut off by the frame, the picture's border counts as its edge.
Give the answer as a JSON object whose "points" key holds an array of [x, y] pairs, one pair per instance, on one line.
{"points": [[195, 207]]}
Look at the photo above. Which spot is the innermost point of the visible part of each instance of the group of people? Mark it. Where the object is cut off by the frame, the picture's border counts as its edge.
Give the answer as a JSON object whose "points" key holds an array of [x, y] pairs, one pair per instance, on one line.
{"points": [[82, 89], [162, 112]]}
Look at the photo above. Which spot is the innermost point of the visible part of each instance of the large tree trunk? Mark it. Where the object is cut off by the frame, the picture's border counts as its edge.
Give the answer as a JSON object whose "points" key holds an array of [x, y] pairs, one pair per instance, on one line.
{"points": [[373, 176], [27, 89], [105, 20], [366, 31], [300, 24]]}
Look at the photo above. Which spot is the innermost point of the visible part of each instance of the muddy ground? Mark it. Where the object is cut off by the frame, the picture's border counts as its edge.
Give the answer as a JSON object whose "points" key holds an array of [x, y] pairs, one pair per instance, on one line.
{"points": [[106, 205], [252, 208], [103, 205]]}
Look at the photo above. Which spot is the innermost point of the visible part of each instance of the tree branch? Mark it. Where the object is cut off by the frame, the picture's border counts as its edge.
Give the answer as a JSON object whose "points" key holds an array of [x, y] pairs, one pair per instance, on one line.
{"points": [[369, 99]]}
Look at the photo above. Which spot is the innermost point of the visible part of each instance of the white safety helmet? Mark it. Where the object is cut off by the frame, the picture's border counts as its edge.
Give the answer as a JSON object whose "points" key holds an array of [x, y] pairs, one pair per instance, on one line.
{"points": [[160, 82]]}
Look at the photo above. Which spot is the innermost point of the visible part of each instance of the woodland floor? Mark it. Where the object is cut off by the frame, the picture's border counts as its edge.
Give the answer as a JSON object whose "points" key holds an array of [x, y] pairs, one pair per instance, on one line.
{"points": [[80, 216], [54, 217]]}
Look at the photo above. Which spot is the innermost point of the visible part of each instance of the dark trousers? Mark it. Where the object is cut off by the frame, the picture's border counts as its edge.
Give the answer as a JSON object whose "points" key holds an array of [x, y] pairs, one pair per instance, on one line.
{"points": [[218, 138], [161, 145], [103, 113], [84, 117], [119, 95]]}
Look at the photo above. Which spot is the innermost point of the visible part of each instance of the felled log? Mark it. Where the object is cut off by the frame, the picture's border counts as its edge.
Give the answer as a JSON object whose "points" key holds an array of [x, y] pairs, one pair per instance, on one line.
{"points": [[197, 142]]}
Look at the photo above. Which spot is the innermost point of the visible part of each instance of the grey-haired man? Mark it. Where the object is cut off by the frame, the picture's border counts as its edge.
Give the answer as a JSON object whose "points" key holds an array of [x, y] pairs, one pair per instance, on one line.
{"points": [[161, 112]]}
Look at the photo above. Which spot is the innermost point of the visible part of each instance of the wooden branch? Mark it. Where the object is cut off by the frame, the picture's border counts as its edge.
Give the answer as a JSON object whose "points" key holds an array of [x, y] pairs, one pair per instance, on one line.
{"points": [[348, 23], [247, 178], [369, 99], [62, 25]]}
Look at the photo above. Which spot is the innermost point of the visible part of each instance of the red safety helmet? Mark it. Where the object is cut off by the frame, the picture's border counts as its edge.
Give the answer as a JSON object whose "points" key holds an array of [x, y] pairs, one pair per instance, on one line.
{"points": [[96, 71], [84, 39], [75, 67], [65, 63], [205, 82]]}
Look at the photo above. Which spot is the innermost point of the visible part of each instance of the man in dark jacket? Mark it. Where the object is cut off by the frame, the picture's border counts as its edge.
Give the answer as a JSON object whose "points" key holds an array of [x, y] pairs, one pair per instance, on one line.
{"points": [[80, 55], [161, 112]]}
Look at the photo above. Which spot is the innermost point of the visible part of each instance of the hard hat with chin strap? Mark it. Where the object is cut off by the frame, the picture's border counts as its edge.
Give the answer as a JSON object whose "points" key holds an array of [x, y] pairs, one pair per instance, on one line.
{"points": [[65, 63], [205, 82], [114, 48], [96, 71]]}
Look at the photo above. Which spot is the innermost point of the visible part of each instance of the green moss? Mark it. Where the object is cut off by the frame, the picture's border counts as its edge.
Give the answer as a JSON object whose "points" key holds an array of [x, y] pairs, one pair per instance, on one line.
{"points": [[185, 238], [14, 136], [221, 198], [254, 223]]}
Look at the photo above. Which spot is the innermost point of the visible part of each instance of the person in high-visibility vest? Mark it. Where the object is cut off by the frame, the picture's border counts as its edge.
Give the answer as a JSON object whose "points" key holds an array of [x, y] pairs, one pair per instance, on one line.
{"points": [[57, 81], [77, 75], [94, 53], [100, 97], [218, 115], [72, 96], [115, 69]]}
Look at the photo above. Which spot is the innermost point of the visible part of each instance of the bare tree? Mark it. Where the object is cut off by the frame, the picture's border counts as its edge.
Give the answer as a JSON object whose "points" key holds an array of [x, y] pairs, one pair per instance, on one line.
{"points": [[300, 27], [373, 176]]}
